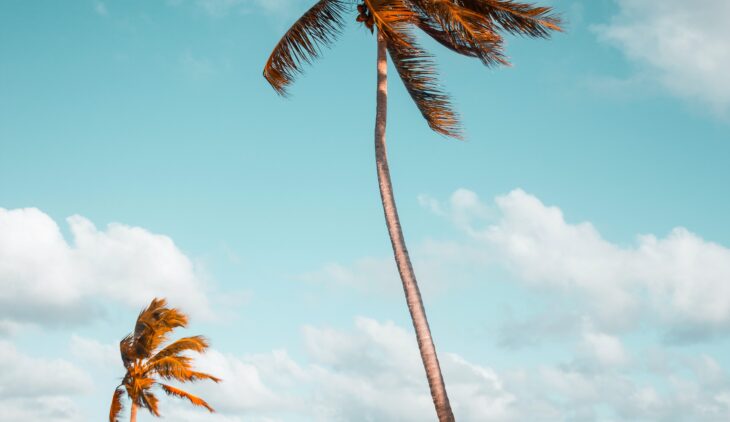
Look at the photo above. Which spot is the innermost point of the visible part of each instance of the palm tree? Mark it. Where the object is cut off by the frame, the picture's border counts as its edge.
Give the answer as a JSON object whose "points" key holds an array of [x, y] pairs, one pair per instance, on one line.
{"points": [[468, 27], [145, 360]]}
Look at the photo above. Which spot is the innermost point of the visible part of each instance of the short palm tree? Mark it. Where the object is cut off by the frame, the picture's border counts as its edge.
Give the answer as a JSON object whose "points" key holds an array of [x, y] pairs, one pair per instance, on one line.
{"points": [[468, 27], [147, 361]]}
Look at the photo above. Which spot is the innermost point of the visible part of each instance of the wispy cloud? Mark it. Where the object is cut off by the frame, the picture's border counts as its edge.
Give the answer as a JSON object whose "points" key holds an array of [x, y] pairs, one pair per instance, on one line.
{"points": [[221, 8], [100, 8], [683, 44], [197, 67]]}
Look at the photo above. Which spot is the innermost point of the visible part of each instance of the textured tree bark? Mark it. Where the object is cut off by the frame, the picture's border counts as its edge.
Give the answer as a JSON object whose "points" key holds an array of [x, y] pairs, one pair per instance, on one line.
{"points": [[133, 413], [408, 277]]}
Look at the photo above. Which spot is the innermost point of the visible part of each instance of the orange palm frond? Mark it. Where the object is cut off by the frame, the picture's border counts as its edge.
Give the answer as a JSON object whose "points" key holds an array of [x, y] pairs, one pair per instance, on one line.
{"points": [[417, 71], [116, 407], [153, 325], [137, 384], [149, 401], [415, 67], [517, 18], [172, 391], [196, 343], [126, 349], [302, 43], [178, 368], [197, 376], [171, 367], [390, 14], [462, 29]]}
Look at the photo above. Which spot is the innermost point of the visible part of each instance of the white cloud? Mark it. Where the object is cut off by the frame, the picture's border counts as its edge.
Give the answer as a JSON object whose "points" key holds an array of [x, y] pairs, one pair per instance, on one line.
{"points": [[604, 349], [680, 279], [33, 389], [373, 373], [47, 280], [684, 43], [95, 353]]}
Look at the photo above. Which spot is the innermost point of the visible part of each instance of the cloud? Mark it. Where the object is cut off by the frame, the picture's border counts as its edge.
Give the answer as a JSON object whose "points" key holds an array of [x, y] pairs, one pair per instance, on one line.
{"points": [[683, 43], [95, 353], [439, 265], [100, 9], [372, 373], [681, 280], [604, 349], [47, 280], [197, 67], [568, 392], [33, 389], [221, 8]]}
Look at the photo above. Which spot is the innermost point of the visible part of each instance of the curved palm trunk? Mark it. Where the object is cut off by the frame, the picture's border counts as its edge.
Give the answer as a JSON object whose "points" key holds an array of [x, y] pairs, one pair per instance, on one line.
{"points": [[410, 286], [133, 413]]}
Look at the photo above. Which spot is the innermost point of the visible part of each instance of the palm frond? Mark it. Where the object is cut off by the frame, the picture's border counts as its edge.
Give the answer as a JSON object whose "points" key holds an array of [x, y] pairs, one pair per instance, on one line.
{"points": [[150, 402], [517, 18], [198, 376], [389, 15], [153, 325], [393, 18], [178, 368], [136, 385], [171, 367], [461, 29], [195, 343], [176, 392], [127, 350], [116, 407], [303, 42], [417, 71]]}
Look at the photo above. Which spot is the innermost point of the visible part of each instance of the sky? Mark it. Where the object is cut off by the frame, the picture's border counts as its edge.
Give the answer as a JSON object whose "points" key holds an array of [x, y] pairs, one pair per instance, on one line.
{"points": [[573, 252]]}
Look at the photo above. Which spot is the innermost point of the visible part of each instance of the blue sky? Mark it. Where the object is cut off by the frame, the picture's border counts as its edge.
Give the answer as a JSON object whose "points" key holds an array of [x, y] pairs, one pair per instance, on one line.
{"points": [[573, 251]]}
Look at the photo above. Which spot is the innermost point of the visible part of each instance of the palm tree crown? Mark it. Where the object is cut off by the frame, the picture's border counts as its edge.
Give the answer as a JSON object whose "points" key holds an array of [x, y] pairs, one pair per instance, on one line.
{"points": [[146, 360], [468, 27]]}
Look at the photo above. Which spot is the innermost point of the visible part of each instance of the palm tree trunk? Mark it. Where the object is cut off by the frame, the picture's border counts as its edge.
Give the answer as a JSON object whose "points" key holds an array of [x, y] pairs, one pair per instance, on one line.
{"points": [[133, 413], [410, 286]]}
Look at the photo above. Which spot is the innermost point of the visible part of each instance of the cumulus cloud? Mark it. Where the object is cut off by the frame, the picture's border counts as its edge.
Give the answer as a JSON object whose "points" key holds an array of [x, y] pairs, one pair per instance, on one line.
{"points": [[93, 352], [372, 373], [47, 280], [569, 392], [683, 43], [680, 279], [33, 389]]}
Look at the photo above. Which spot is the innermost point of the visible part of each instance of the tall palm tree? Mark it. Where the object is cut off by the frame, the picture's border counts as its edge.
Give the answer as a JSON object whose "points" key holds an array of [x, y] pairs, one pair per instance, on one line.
{"points": [[468, 27], [145, 360]]}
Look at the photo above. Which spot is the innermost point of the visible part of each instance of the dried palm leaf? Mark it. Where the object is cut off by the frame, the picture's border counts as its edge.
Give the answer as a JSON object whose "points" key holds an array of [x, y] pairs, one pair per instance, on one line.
{"points": [[515, 17], [116, 407], [302, 43], [176, 392]]}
